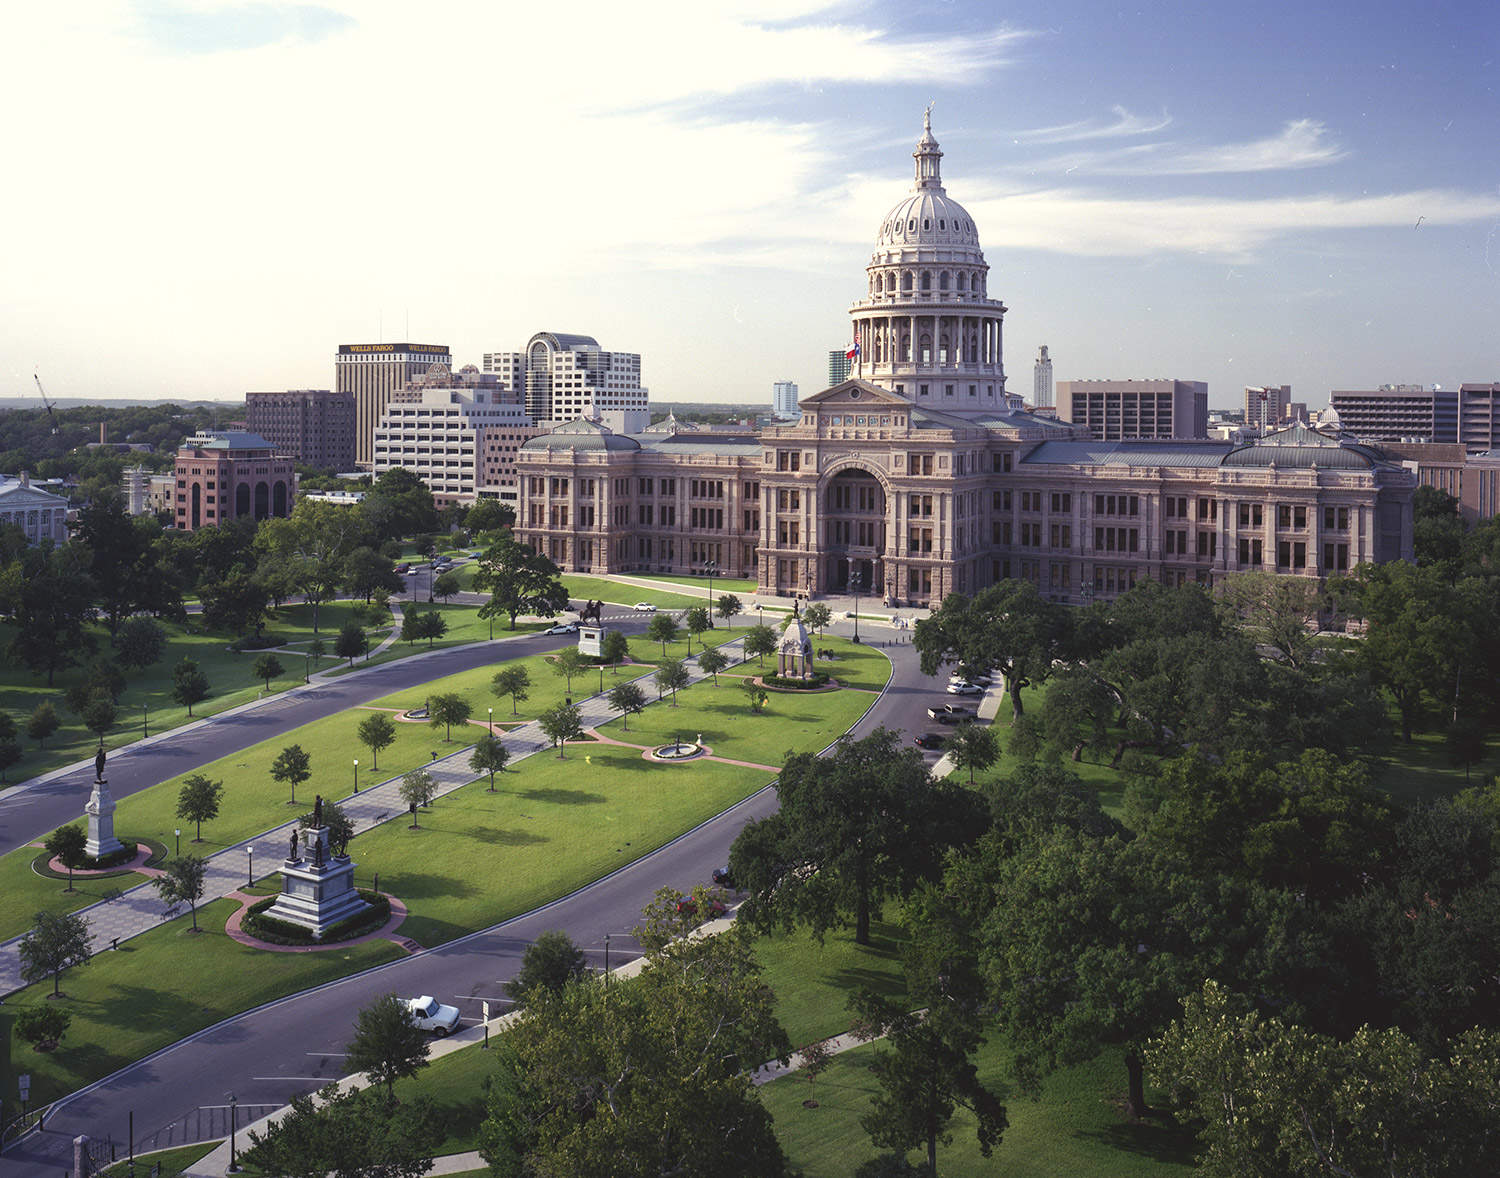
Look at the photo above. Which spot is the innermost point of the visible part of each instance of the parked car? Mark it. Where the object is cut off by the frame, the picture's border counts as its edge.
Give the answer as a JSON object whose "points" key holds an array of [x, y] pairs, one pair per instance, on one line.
{"points": [[965, 688], [562, 628], [688, 906], [722, 878], [403, 568], [431, 1015], [644, 607], [950, 713], [928, 740]]}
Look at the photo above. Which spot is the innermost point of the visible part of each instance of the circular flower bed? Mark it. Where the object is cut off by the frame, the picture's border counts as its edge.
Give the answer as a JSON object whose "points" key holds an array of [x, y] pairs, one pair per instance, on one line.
{"points": [[281, 932], [816, 682]]}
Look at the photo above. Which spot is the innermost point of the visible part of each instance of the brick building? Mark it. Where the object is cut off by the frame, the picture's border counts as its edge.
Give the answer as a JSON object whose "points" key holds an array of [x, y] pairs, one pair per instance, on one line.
{"points": [[225, 475], [314, 426]]}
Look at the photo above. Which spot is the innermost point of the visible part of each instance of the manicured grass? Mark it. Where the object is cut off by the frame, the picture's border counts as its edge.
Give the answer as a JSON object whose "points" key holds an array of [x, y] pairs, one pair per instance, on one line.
{"points": [[228, 675], [172, 1161], [27, 893], [790, 721], [455, 1084], [813, 982], [722, 585], [1421, 771], [1075, 1128], [551, 826], [166, 984], [854, 665], [589, 588], [547, 689]]}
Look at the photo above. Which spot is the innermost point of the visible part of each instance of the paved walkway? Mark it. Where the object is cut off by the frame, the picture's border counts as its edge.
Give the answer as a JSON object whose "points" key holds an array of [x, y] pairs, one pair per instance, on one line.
{"points": [[140, 909]]}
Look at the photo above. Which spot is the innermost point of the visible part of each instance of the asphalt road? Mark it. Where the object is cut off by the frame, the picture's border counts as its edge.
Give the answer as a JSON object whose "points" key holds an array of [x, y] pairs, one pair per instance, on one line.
{"points": [[267, 1056]]}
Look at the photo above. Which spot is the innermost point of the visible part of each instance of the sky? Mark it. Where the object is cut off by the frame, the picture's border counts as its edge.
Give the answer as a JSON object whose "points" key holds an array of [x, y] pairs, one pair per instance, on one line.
{"points": [[207, 198]]}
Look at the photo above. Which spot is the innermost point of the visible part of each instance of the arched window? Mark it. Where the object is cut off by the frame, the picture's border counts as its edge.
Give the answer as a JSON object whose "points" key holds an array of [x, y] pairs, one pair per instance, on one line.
{"points": [[890, 282], [926, 345], [242, 499], [911, 226], [942, 349], [906, 280], [262, 500], [943, 280], [960, 280], [926, 279], [278, 500]]}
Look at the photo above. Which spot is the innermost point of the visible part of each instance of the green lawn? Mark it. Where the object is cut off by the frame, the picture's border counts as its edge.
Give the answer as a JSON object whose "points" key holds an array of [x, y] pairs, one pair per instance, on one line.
{"points": [[164, 985], [1076, 1127], [589, 588], [722, 585], [455, 1084], [813, 982], [791, 721], [1421, 771], [172, 1161], [28, 893], [228, 675]]}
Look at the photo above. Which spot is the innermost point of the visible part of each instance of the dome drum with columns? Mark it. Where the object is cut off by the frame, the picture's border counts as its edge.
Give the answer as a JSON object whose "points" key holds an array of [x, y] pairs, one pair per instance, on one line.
{"points": [[927, 328]]}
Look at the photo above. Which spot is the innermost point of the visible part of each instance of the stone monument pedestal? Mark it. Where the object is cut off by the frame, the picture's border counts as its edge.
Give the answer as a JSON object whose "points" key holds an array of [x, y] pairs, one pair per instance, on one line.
{"points": [[101, 816], [317, 888]]}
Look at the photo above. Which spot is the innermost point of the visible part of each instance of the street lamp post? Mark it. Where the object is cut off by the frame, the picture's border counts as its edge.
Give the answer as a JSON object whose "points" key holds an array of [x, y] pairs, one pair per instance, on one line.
{"points": [[356, 774], [178, 834], [234, 1164], [606, 959], [492, 722], [145, 710], [710, 571], [250, 857], [856, 583]]}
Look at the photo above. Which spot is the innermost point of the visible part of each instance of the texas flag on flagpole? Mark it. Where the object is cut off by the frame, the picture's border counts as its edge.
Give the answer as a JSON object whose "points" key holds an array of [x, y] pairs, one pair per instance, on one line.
{"points": [[851, 353]]}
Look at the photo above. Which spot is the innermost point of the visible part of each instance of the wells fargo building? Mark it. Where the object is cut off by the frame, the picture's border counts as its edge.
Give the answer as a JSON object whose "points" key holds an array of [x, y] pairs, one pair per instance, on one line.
{"points": [[920, 476]]}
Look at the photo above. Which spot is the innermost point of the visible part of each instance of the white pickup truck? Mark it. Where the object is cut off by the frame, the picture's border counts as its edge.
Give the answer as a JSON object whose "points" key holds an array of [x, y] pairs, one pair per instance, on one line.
{"points": [[950, 713], [431, 1015]]}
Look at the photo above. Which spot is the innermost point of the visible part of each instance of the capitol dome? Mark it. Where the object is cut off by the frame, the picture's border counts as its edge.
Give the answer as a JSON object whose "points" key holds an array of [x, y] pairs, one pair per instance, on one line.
{"points": [[927, 328]]}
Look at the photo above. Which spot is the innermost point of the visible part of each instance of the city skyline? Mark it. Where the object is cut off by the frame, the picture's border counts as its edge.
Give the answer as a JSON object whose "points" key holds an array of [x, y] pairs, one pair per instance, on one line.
{"points": [[1261, 204]]}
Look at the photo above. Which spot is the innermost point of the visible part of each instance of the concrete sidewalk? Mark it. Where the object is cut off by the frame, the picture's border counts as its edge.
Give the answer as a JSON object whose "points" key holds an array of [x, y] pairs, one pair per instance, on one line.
{"points": [[139, 910]]}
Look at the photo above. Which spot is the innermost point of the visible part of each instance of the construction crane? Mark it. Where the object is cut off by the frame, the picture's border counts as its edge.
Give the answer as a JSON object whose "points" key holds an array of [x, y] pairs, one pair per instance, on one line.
{"points": [[45, 402]]}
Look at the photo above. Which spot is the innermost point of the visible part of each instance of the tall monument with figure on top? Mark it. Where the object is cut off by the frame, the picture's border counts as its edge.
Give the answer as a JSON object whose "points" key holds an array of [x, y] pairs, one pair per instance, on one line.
{"points": [[100, 812], [317, 880]]}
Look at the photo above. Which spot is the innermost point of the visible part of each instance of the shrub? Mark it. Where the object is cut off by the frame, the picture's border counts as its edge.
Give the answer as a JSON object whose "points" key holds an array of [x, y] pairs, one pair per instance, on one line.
{"points": [[819, 679], [275, 931]]}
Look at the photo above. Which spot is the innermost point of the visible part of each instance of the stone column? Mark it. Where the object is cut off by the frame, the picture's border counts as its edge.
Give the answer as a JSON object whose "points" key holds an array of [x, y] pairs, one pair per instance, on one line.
{"points": [[101, 819]]}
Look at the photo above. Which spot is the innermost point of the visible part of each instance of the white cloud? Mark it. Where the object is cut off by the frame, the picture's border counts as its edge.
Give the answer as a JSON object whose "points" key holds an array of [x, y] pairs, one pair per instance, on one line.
{"points": [[1301, 143], [1123, 126]]}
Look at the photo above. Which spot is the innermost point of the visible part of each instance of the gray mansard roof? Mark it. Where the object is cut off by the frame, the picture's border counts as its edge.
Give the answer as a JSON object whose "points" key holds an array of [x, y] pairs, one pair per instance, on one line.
{"points": [[1298, 447], [581, 435], [1141, 453]]}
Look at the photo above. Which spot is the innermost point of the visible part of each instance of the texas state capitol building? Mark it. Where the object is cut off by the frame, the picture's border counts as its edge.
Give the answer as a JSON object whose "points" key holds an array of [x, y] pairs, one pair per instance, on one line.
{"points": [[923, 477]]}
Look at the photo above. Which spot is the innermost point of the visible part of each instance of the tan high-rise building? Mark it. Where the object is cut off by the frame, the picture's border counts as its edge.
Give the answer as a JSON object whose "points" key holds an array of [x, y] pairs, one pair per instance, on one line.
{"points": [[372, 372]]}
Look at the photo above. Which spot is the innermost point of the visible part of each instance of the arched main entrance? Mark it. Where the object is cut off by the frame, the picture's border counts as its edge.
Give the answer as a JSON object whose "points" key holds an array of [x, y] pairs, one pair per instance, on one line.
{"points": [[853, 512]]}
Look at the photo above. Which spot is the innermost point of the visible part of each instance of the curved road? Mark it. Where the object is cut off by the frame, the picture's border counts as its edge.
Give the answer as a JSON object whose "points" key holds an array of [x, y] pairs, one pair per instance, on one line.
{"points": [[267, 1056]]}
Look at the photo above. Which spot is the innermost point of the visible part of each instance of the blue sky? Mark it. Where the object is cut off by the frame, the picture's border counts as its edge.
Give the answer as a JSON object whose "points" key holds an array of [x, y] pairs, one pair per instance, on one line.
{"points": [[207, 198]]}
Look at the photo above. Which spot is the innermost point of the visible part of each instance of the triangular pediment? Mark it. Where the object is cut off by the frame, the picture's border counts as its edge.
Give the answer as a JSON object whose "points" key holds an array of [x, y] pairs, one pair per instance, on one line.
{"points": [[854, 393]]}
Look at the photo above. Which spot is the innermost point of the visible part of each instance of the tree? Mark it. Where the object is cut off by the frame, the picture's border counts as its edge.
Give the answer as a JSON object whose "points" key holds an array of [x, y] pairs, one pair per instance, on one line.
{"points": [[569, 662], [973, 746], [1276, 611], [614, 648], [760, 640], [713, 661], [189, 684], [729, 608], [448, 709], [1437, 528], [562, 723], [376, 731], [292, 766], [53, 602], [626, 698], [489, 757], [417, 790], [351, 1134], [140, 643], [10, 754], [267, 667], [352, 641], [1076, 711], [1007, 627], [446, 585], [489, 515], [652, 1071], [512, 681], [926, 1075], [56, 942], [399, 504], [670, 676], [756, 693], [548, 965], [43, 1026], [1271, 1097], [69, 846], [519, 579], [817, 617], [864, 823], [235, 604], [198, 801], [431, 625], [663, 628], [42, 723], [366, 570], [387, 1045], [181, 882], [99, 714], [698, 623]]}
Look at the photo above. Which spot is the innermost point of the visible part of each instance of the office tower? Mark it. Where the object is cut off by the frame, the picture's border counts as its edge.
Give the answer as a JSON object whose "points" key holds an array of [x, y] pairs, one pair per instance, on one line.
{"points": [[1266, 405], [1397, 412], [562, 377], [226, 474], [315, 426], [784, 399], [1041, 380], [1117, 409], [371, 372], [839, 366]]}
